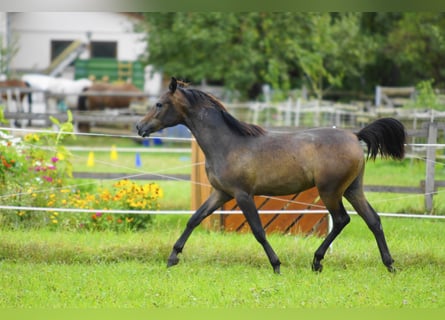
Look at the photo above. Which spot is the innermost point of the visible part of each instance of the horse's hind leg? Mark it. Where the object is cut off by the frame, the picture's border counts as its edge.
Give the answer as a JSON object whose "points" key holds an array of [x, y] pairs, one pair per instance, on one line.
{"points": [[357, 199], [340, 219], [216, 200]]}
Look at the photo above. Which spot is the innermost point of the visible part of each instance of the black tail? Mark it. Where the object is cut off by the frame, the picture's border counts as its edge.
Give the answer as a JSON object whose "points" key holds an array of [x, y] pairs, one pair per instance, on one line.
{"points": [[384, 136]]}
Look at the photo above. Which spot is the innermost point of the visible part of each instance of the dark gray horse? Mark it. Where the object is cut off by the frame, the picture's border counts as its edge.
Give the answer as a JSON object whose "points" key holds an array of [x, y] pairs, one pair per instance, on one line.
{"points": [[244, 160]]}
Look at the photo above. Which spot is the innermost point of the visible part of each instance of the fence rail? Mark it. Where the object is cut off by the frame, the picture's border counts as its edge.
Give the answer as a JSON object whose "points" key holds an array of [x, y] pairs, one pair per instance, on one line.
{"points": [[425, 128]]}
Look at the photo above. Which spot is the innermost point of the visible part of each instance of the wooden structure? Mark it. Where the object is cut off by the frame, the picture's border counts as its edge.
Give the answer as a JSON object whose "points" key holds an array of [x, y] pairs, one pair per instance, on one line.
{"points": [[288, 223], [392, 97]]}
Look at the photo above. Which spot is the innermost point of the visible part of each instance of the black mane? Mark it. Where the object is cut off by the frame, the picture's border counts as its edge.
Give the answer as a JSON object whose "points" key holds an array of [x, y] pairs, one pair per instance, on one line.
{"points": [[199, 98]]}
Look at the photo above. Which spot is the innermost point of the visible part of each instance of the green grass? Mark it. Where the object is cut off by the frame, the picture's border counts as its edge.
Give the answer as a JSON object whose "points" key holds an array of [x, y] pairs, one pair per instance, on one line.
{"points": [[160, 163], [402, 173], [61, 269], [43, 269]]}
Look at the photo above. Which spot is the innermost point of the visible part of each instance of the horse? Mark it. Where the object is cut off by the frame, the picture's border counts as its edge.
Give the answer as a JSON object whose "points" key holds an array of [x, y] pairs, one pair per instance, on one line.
{"points": [[243, 160], [111, 101], [14, 84], [18, 91], [68, 90]]}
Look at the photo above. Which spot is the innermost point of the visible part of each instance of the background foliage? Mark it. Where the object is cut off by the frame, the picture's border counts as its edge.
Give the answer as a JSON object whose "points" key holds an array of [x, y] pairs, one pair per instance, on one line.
{"points": [[348, 51]]}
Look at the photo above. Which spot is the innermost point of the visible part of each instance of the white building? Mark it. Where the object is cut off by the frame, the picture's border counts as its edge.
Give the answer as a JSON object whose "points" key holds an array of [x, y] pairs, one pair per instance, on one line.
{"points": [[40, 37]]}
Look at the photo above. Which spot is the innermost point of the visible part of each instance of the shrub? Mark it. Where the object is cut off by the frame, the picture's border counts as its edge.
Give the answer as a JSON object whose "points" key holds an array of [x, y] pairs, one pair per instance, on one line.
{"points": [[122, 195], [36, 171]]}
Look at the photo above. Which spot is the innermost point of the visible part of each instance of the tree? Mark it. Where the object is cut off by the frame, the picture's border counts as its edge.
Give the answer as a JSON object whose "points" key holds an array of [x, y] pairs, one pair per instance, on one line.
{"points": [[417, 45], [246, 50], [7, 52], [335, 48]]}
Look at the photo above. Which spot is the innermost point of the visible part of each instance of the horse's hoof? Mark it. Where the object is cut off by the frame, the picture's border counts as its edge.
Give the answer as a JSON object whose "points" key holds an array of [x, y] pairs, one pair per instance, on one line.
{"points": [[172, 262], [391, 269], [276, 269], [317, 267]]}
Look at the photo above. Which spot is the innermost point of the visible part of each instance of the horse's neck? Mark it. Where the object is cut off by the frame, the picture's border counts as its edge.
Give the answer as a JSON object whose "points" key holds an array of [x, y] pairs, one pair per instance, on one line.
{"points": [[211, 133]]}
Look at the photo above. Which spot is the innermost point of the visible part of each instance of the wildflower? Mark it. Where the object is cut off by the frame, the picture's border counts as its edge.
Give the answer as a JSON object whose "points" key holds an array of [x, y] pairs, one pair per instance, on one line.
{"points": [[54, 159], [49, 179]]}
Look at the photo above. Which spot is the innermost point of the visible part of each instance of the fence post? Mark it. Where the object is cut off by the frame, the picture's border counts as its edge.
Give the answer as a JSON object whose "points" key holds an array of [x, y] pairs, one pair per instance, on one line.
{"points": [[430, 163]]}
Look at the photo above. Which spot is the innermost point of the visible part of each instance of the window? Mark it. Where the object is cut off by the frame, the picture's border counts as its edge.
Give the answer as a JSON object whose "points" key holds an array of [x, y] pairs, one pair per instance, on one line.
{"points": [[57, 47], [103, 49]]}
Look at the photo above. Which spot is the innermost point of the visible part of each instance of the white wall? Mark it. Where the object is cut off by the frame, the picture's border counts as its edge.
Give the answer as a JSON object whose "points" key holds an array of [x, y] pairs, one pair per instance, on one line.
{"points": [[36, 30]]}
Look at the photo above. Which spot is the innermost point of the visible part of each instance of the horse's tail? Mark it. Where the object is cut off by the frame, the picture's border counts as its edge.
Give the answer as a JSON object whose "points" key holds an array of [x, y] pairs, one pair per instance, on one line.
{"points": [[384, 136]]}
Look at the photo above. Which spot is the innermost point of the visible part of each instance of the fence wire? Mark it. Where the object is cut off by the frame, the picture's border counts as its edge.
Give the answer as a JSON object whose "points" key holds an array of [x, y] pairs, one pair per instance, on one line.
{"points": [[321, 209]]}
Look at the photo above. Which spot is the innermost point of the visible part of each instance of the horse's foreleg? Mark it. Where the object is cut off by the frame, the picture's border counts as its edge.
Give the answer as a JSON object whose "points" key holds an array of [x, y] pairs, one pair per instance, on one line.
{"points": [[340, 219], [247, 205], [216, 200]]}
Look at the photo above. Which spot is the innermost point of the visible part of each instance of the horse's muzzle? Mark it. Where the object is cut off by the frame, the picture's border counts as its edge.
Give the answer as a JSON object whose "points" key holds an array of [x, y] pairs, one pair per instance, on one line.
{"points": [[143, 129]]}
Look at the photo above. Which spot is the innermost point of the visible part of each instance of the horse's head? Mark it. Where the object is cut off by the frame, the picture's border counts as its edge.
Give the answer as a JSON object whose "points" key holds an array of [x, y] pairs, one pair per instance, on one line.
{"points": [[167, 112]]}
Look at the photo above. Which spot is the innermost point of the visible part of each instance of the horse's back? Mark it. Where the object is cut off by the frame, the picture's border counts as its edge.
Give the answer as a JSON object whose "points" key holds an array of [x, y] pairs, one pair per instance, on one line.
{"points": [[288, 163]]}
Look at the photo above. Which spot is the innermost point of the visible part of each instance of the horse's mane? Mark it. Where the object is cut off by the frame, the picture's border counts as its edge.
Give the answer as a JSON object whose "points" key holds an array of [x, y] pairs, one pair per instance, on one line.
{"points": [[199, 98]]}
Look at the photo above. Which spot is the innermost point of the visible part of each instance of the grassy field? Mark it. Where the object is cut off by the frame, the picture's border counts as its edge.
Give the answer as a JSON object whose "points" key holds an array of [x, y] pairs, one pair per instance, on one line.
{"points": [[62, 269], [44, 269]]}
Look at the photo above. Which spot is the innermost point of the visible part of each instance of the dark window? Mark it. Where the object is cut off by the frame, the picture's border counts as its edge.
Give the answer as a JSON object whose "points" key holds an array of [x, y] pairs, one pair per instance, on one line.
{"points": [[103, 49], [57, 47]]}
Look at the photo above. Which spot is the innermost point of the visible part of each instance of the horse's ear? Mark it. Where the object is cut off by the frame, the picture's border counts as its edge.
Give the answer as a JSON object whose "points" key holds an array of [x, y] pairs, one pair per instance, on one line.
{"points": [[173, 85]]}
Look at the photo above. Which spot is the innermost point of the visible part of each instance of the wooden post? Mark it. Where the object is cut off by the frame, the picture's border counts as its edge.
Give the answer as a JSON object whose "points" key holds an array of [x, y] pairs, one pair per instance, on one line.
{"points": [[201, 188], [430, 163]]}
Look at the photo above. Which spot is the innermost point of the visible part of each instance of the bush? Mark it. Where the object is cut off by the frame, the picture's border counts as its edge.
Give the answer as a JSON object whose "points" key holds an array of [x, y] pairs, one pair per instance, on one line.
{"points": [[36, 171], [122, 195]]}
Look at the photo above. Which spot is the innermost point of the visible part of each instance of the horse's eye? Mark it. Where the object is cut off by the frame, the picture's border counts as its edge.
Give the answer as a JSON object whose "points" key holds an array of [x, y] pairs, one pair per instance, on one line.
{"points": [[159, 105]]}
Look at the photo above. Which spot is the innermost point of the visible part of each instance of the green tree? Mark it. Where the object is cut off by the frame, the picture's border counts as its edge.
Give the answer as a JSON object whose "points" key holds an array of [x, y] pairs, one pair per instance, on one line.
{"points": [[7, 52], [336, 47], [245, 50], [417, 45]]}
